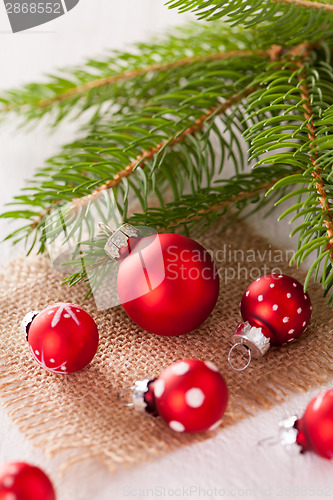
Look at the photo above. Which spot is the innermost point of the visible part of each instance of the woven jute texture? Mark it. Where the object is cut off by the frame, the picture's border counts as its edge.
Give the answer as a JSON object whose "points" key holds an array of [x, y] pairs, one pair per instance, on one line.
{"points": [[80, 414]]}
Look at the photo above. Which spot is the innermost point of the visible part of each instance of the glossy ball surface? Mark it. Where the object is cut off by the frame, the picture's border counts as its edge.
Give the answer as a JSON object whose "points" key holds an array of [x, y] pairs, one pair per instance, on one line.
{"points": [[191, 396], [21, 481], [315, 428], [63, 338], [278, 305], [168, 284]]}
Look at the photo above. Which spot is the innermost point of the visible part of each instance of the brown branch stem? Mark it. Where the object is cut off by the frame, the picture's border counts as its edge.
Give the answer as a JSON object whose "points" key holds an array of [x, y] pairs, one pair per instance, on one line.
{"points": [[274, 53], [148, 155], [309, 4], [316, 173], [127, 75], [234, 199]]}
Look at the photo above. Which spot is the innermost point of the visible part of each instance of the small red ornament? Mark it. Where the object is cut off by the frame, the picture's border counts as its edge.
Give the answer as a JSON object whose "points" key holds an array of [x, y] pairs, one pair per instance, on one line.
{"points": [[168, 284], [190, 395], [275, 310], [315, 428], [20, 481], [63, 338]]}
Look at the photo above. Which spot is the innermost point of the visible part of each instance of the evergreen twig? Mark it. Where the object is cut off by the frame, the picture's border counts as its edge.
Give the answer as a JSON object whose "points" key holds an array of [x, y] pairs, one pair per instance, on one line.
{"points": [[311, 4], [314, 156], [165, 118], [126, 75]]}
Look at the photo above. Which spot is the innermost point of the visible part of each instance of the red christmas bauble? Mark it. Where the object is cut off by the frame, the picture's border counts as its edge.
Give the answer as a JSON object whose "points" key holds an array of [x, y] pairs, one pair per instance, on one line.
{"points": [[20, 481], [191, 396], [315, 428], [63, 338], [167, 283], [278, 305]]}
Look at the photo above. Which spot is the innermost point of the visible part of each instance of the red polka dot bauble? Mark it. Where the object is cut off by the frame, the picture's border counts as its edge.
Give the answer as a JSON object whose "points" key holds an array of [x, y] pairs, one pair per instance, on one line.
{"points": [[275, 310], [315, 428], [63, 338], [167, 283], [20, 481], [190, 395]]}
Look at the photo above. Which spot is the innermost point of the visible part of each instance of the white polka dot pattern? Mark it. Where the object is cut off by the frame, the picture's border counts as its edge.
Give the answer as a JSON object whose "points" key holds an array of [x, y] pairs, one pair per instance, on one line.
{"points": [[181, 368], [194, 397], [211, 366], [11, 496], [176, 426], [215, 426], [264, 303], [8, 481], [191, 401], [159, 388]]}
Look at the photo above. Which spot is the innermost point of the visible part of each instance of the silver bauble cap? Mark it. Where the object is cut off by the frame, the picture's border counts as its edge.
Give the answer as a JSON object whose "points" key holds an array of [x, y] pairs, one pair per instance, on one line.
{"points": [[137, 395], [288, 431], [252, 338], [120, 239], [26, 323]]}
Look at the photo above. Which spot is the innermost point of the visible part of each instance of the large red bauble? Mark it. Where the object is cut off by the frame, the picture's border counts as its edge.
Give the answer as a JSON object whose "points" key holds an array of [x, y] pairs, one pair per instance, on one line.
{"points": [[20, 481], [315, 428], [63, 338], [191, 396], [168, 284], [278, 305]]}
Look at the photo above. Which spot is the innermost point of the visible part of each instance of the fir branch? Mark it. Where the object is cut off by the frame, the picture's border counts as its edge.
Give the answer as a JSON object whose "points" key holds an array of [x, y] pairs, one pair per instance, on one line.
{"points": [[255, 187], [126, 75], [167, 143], [194, 213], [289, 122], [167, 120], [288, 22], [106, 85], [178, 117], [146, 156], [309, 4], [314, 157]]}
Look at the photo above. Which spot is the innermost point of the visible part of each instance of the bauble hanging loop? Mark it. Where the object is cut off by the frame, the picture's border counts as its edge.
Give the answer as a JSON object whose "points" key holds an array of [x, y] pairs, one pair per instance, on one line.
{"points": [[275, 310], [168, 284], [189, 395], [247, 352], [63, 338]]}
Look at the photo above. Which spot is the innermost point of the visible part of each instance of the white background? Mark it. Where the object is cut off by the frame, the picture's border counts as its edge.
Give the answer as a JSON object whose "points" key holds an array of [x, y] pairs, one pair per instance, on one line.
{"points": [[229, 465]]}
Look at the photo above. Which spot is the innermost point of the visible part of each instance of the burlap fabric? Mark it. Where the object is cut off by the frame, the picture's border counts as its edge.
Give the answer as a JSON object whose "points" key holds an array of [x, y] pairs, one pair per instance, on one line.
{"points": [[80, 414]]}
